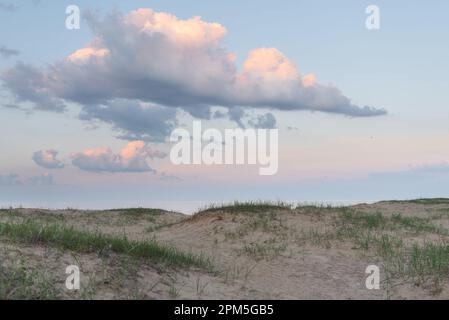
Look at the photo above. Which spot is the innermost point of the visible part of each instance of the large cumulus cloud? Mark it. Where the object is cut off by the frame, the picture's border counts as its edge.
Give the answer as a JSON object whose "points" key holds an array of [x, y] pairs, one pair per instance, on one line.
{"points": [[152, 57]]}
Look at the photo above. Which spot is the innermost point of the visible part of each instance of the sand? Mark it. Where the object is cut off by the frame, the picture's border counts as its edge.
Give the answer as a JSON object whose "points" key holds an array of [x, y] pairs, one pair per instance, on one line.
{"points": [[268, 253]]}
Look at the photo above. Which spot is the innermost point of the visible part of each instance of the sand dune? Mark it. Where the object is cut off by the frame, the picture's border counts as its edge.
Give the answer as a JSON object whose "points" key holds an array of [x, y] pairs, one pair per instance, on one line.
{"points": [[240, 251]]}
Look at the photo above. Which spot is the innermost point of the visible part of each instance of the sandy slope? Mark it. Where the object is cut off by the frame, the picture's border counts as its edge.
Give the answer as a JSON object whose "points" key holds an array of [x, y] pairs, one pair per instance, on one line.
{"points": [[259, 254]]}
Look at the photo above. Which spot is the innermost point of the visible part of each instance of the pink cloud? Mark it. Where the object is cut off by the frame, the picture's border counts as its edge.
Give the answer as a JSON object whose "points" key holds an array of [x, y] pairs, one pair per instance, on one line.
{"points": [[154, 57], [133, 158], [47, 159]]}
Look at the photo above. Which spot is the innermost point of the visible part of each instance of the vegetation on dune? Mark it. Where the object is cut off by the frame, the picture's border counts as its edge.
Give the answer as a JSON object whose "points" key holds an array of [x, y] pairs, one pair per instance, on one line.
{"points": [[82, 241], [385, 237], [19, 281], [138, 212], [377, 220], [410, 248], [247, 207], [427, 201]]}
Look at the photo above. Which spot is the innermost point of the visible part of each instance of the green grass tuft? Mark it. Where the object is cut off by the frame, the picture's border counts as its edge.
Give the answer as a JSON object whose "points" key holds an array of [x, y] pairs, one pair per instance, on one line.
{"points": [[138, 212], [248, 207], [428, 201], [377, 221], [18, 282], [430, 259], [81, 241]]}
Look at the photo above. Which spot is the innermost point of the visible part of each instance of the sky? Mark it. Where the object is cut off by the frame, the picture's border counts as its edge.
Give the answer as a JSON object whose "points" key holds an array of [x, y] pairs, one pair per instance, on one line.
{"points": [[85, 114]]}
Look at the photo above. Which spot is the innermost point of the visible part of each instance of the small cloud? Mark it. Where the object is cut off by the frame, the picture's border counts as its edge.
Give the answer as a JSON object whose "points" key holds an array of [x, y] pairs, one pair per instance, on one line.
{"points": [[6, 52], [12, 106], [264, 121], [237, 114], [169, 177], [47, 159], [218, 114], [133, 158], [8, 6], [442, 167], [9, 180], [45, 179], [246, 119]]}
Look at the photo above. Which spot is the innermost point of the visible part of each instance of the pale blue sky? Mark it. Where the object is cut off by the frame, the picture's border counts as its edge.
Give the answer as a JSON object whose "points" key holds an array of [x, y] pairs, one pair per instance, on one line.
{"points": [[403, 67]]}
